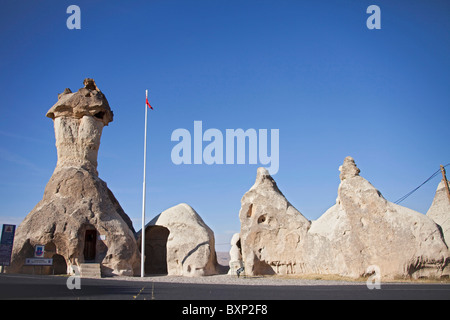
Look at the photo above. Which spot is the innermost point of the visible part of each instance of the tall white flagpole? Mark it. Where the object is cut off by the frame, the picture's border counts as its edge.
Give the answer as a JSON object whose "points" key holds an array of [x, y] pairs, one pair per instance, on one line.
{"points": [[143, 193]]}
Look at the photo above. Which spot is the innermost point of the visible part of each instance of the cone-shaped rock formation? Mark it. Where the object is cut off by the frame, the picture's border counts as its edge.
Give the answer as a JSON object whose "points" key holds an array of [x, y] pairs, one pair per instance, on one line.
{"points": [[362, 229], [79, 219], [439, 210]]}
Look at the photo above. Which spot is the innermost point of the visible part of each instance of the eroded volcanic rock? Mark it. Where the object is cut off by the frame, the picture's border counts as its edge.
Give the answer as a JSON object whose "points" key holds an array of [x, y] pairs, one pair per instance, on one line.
{"points": [[78, 219], [362, 229]]}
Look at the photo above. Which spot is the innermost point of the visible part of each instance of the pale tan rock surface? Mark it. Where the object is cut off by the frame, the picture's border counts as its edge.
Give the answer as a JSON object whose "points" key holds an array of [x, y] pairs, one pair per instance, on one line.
{"points": [[235, 262], [78, 218], [272, 230], [190, 245], [360, 230], [439, 210], [364, 229]]}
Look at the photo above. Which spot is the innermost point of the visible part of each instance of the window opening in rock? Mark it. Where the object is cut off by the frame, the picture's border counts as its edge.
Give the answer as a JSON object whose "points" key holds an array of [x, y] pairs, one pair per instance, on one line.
{"points": [[250, 211], [99, 115], [262, 219]]}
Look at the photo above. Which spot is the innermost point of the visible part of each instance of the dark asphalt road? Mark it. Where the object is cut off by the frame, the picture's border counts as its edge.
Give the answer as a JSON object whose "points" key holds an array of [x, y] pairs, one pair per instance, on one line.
{"points": [[54, 287]]}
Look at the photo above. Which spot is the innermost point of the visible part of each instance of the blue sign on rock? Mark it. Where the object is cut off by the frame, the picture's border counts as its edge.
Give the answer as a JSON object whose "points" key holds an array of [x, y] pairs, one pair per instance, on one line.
{"points": [[39, 251], [6, 244]]}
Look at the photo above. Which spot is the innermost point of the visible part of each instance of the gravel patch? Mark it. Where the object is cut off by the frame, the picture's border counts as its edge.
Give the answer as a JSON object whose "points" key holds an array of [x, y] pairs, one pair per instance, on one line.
{"points": [[246, 281]]}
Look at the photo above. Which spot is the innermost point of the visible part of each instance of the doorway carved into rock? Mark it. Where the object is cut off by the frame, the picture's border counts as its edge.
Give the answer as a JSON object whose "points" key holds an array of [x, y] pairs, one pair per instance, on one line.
{"points": [[156, 249], [90, 243]]}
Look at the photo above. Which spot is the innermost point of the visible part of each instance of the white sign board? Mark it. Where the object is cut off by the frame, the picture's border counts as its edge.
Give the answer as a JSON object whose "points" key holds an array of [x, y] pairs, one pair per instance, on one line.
{"points": [[38, 262]]}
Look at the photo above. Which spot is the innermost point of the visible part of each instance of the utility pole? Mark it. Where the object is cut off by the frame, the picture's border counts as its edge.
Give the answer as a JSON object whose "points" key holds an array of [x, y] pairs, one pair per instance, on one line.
{"points": [[444, 177], [143, 193]]}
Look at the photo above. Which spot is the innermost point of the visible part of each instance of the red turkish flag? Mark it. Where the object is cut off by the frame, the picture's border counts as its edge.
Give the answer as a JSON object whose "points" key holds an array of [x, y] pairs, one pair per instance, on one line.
{"points": [[147, 103]]}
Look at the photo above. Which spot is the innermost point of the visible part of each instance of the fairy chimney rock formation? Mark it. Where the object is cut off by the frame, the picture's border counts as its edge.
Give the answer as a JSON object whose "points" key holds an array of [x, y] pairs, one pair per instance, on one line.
{"points": [[361, 230], [364, 229], [439, 210], [178, 242], [272, 230], [79, 119], [79, 219]]}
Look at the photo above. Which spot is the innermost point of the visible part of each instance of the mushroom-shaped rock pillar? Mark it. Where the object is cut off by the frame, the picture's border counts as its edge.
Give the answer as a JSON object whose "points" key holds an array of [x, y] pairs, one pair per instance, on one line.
{"points": [[78, 219]]}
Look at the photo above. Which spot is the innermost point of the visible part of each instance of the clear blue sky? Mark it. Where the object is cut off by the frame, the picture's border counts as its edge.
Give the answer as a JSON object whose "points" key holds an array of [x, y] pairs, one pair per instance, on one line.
{"points": [[311, 69]]}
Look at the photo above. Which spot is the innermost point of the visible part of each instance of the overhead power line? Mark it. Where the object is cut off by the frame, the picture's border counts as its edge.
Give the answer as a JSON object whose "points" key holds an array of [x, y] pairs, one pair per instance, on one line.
{"points": [[415, 189]]}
